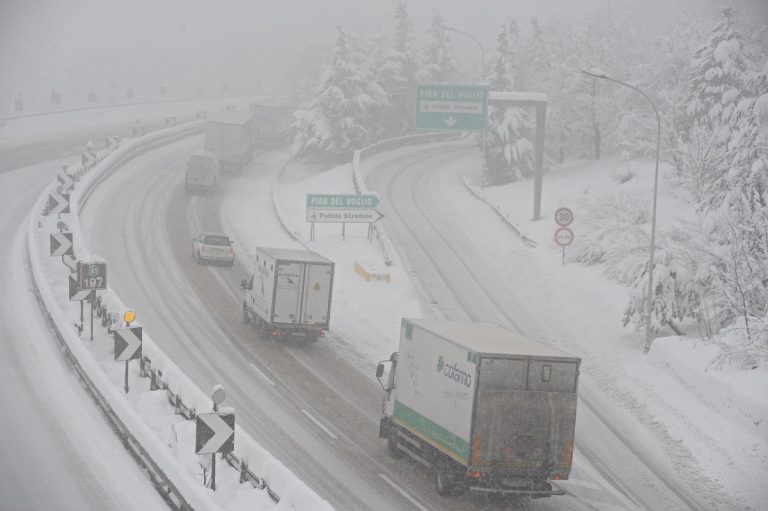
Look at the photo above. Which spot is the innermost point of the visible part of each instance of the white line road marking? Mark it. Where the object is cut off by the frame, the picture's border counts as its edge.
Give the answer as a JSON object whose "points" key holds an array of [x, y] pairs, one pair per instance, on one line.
{"points": [[402, 492], [261, 373], [319, 424]]}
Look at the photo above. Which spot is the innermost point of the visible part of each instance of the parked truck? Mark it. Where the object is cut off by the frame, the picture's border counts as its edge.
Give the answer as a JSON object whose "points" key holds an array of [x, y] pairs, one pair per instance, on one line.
{"points": [[230, 136], [483, 407], [288, 295]]}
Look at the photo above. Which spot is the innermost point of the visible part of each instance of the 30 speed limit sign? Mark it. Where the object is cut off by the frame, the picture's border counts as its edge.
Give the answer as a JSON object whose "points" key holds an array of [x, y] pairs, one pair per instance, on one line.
{"points": [[563, 217]]}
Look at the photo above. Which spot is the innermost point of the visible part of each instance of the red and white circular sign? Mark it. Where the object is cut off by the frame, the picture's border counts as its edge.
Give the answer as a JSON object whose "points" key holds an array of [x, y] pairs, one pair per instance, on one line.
{"points": [[563, 217], [563, 236]]}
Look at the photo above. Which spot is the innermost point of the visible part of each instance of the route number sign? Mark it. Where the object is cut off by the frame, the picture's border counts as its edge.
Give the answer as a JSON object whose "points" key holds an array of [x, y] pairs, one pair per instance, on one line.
{"points": [[563, 237], [563, 217], [91, 276]]}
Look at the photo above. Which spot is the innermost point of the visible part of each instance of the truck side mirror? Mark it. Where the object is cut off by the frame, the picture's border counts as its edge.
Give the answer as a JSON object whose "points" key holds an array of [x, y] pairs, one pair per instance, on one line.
{"points": [[379, 370]]}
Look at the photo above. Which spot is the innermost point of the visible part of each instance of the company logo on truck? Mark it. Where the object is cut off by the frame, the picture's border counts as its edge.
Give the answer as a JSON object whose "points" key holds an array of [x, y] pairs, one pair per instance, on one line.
{"points": [[454, 372]]}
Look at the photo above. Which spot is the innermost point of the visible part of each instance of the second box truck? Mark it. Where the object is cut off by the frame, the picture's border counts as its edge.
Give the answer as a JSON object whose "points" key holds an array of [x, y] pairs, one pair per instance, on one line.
{"points": [[289, 293]]}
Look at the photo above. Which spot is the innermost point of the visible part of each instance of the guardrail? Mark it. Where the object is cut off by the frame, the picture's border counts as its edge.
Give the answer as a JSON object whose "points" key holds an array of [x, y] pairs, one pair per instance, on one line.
{"points": [[178, 490]]}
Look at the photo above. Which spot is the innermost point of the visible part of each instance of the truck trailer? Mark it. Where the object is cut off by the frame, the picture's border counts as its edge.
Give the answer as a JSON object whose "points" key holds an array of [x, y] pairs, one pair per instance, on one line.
{"points": [[230, 136], [482, 406], [288, 295]]}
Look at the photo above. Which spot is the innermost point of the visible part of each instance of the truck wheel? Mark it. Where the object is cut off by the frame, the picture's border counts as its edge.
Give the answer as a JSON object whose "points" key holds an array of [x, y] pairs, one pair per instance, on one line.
{"points": [[392, 448], [445, 478]]}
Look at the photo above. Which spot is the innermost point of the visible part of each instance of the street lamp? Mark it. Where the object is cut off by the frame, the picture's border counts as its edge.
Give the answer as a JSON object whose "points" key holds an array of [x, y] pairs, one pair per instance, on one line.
{"points": [[482, 80], [482, 51], [597, 73]]}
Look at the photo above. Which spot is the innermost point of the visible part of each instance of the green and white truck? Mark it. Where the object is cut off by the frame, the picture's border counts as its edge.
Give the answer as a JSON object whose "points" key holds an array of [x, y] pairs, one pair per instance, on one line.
{"points": [[483, 407]]}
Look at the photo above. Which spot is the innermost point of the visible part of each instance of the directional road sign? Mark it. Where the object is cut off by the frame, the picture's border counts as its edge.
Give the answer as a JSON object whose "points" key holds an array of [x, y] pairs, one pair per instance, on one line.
{"points": [[64, 181], [58, 203], [92, 275], [341, 201], [338, 216], [215, 432], [61, 244], [75, 293], [127, 343], [451, 107]]}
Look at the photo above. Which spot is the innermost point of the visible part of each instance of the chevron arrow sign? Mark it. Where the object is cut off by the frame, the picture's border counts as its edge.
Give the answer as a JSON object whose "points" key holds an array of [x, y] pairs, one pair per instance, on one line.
{"points": [[127, 343], [58, 203], [65, 182], [61, 244], [75, 293], [215, 432]]}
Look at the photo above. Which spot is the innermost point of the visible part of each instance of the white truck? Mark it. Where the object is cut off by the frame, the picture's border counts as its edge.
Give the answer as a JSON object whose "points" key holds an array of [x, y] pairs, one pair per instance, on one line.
{"points": [[289, 293], [230, 136], [485, 408], [202, 172]]}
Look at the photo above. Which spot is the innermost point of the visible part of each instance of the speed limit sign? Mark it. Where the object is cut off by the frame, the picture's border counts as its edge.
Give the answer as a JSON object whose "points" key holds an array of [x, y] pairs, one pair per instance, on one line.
{"points": [[563, 217]]}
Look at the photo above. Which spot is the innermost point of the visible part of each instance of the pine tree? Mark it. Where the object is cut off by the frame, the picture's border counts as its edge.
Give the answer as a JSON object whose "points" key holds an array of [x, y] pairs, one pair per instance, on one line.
{"points": [[438, 64], [508, 149], [718, 72], [342, 115], [399, 75]]}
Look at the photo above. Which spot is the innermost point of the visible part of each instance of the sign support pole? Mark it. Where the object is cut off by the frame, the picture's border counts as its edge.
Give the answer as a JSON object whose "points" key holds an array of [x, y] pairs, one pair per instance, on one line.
{"points": [[126, 376], [563, 257], [81, 316], [344, 231], [213, 459], [93, 299]]}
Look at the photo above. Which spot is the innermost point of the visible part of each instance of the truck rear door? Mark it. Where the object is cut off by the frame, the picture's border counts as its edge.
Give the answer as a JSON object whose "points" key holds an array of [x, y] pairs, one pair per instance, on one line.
{"points": [[522, 424], [315, 309], [287, 298]]}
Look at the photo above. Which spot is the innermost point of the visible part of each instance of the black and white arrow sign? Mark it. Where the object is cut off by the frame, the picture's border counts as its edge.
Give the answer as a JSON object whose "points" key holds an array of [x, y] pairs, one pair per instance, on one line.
{"points": [[75, 293], [58, 203], [127, 343], [215, 432], [65, 181], [61, 244]]}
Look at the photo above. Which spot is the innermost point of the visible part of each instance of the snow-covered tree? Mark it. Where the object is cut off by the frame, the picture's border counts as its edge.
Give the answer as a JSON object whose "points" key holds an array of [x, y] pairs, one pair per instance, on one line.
{"points": [[438, 65], [398, 74], [508, 147], [343, 112], [718, 71]]}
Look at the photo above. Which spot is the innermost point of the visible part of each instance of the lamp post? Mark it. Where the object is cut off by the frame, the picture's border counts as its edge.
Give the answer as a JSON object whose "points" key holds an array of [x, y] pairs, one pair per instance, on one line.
{"points": [[481, 81], [597, 73], [482, 51]]}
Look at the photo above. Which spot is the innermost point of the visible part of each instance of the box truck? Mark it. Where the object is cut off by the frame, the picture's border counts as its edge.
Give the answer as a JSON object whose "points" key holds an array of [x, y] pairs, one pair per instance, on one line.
{"points": [[229, 135], [288, 295], [202, 172], [483, 407]]}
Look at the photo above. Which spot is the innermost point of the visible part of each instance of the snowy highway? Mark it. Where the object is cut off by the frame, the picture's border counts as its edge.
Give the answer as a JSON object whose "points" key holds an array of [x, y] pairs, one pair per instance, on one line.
{"points": [[58, 450], [306, 404]]}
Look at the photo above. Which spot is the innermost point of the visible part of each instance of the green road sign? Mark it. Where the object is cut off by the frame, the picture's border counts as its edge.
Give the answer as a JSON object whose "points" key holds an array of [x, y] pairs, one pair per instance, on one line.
{"points": [[341, 201], [451, 107]]}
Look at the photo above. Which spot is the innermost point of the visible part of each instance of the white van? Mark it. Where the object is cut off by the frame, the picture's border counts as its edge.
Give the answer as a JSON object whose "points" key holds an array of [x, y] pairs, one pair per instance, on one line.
{"points": [[202, 172]]}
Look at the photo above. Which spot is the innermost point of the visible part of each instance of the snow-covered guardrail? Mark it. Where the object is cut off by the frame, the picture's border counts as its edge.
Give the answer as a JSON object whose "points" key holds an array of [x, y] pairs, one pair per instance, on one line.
{"points": [[160, 393], [387, 145]]}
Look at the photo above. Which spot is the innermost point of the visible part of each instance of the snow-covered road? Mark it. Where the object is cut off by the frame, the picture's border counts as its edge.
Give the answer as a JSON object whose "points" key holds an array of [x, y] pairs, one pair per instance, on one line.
{"points": [[57, 449]]}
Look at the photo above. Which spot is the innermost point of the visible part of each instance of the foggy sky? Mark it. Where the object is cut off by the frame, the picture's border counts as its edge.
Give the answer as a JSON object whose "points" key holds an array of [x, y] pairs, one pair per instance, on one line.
{"points": [[111, 45]]}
